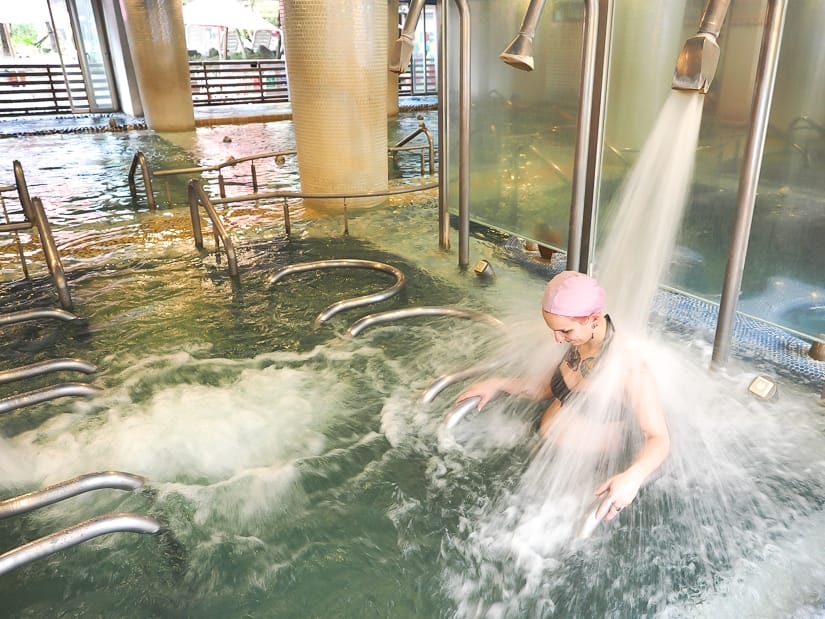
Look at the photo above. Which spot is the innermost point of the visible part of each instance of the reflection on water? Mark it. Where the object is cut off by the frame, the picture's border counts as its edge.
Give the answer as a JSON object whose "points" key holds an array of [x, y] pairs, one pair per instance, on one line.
{"points": [[294, 466]]}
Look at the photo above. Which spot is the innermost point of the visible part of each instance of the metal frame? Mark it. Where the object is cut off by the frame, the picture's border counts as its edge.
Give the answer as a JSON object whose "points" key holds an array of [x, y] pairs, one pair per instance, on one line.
{"points": [[749, 178]]}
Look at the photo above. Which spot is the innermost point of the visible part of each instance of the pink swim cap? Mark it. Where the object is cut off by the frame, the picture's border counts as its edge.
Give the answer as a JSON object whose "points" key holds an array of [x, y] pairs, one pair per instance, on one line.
{"points": [[573, 294]]}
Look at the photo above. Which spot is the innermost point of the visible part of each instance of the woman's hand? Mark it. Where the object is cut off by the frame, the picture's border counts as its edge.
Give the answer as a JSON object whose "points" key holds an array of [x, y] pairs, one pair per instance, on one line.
{"points": [[621, 489], [486, 390]]}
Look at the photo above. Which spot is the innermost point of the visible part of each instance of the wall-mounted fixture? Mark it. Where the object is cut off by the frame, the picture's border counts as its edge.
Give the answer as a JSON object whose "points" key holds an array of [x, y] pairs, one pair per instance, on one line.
{"points": [[519, 53], [697, 62], [403, 49]]}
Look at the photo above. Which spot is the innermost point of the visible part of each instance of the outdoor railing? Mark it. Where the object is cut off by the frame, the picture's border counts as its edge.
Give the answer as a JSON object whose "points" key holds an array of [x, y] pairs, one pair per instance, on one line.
{"points": [[39, 89], [36, 89]]}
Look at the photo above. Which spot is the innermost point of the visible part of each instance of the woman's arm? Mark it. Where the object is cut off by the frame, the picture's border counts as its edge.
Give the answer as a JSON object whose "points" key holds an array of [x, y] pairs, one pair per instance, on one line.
{"points": [[623, 488], [522, 387]]}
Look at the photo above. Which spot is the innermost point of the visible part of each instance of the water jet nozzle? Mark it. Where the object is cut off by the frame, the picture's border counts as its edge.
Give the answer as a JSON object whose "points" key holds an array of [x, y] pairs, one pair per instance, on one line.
{"points": [[403, 49], [697, 62], [519, 53]]}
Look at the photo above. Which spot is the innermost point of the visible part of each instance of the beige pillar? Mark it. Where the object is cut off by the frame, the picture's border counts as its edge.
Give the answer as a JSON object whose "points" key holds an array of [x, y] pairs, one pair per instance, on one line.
{"points": [[157, 42], [392, 76], [337, 66]]}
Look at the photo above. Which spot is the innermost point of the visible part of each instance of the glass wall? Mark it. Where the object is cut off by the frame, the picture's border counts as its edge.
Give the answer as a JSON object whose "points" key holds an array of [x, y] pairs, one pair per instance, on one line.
{"points": [[523, 122], [523, 139]]}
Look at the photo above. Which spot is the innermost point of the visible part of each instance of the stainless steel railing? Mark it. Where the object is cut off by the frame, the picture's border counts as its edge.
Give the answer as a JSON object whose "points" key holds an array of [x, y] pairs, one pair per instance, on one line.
{"points": [[340, 306], [139, 163], [413, 312], [200, 197], [80, 532], [34, 216]]}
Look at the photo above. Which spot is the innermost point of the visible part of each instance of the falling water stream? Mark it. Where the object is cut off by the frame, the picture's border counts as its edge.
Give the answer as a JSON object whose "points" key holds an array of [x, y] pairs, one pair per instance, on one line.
{"points": [[736, 498], [297, 469]]}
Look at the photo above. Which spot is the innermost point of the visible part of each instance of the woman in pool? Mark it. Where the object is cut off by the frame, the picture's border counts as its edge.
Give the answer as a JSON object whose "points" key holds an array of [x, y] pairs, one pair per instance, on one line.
{"points": [[572, 308]]}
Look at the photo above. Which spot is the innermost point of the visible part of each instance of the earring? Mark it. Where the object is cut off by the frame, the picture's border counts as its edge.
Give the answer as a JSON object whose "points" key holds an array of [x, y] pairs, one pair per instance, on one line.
{"points": [[595, 324]]}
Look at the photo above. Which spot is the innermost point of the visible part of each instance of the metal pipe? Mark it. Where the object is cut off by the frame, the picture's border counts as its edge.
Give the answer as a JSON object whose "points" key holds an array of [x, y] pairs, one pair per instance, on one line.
{"points": [[443, 128], [74, 535], [464, 135], [461, 410], [51, 254], [519, 53], [597, 40], [403, 48], [412, 312], [699, 58], [198, 196], [23, 190], [340, 306], [444, 381], [44, 367], [68, 489], [24, 315], [36, 396], [749, 178], [139, 160]]}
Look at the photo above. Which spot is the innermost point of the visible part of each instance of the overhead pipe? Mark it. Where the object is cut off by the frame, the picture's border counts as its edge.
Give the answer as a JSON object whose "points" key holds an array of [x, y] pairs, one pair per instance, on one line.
{"points": [[589, 132], [403, 48], [749, 178], [519, 53], [697, 62]]}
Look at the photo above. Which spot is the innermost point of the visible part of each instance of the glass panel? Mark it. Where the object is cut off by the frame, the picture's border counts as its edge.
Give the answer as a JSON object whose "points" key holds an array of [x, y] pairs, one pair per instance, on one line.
{"points": [[784, 277], [523, 122], [95, 58]]}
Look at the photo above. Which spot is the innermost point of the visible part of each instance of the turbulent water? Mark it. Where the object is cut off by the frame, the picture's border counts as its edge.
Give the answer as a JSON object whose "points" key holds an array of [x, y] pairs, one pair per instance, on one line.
{"points": [[297, 470], [738, 493]]}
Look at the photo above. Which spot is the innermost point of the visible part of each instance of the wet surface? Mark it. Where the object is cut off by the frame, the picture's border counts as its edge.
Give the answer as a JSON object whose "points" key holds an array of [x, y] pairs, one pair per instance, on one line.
{"points": [[204, 116]]}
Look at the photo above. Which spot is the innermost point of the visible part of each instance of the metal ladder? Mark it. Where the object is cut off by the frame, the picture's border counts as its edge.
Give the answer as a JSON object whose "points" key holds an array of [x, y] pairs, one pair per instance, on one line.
{"points": [[34, 216]]}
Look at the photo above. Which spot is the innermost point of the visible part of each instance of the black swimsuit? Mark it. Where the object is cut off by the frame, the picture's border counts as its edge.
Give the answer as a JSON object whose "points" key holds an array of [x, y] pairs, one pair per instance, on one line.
{"points": [[561, 391]]}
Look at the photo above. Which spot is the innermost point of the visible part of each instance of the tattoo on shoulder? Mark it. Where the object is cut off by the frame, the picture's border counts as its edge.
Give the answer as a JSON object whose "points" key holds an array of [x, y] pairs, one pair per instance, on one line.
{"points": [[587, 366], [573, 358]]}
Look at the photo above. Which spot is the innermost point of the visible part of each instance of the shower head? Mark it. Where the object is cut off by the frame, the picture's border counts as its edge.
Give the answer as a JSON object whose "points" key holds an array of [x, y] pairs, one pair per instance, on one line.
{"points": [[403, 49], [697, 62], [519, 53]]}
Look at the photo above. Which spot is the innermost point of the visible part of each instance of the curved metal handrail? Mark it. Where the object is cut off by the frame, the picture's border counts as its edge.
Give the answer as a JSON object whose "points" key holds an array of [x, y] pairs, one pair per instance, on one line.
{"points": [[122, 522], [445, 380], [139, 160], [461, 410], [44, 367], [402, 144], [67, 489], [36, 396], [24, 315], [346, 304], [411, 312], [198, 196], [23, 190], [50, 251]]}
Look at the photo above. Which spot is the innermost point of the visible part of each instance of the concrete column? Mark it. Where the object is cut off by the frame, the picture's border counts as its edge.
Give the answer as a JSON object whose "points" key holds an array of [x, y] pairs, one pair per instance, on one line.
{"points": [[157, 41], [337, 66]]}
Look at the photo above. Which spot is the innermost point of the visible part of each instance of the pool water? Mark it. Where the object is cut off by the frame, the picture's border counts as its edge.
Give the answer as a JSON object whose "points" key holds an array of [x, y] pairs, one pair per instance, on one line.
{"points": [[296, 470]]}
